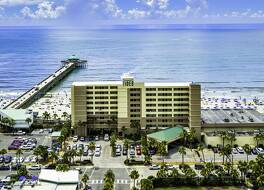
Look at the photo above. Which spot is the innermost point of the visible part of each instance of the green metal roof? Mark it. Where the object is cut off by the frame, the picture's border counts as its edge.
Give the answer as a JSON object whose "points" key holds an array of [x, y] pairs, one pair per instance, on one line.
{"points": [[169, 135], [73, 57]]}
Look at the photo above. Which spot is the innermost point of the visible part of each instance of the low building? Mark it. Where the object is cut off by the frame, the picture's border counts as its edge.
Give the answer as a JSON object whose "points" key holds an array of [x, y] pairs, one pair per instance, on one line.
{"points": [[22, 117], [55, 180], [120, 105], [245, 124]]}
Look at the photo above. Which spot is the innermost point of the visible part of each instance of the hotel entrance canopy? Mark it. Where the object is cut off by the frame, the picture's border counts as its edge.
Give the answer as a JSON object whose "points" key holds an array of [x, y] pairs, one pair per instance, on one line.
{"points": [[168, 135]]}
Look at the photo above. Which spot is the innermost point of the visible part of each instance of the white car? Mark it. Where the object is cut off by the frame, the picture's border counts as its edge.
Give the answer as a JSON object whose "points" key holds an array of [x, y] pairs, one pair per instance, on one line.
{"points": [[234, 151], [20, 133], [260, 150], [28, 159], [14, 160], [96, 138], [118, 152], [106, 137], [34, 159], [34, 167], [154, 167], [90, 153], [97, 153], [240, 150], [75, 139], [98, 146]]}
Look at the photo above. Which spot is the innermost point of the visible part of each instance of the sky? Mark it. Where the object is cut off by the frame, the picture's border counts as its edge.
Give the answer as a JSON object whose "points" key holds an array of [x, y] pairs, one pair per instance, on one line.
{"points": [[85, 13]]}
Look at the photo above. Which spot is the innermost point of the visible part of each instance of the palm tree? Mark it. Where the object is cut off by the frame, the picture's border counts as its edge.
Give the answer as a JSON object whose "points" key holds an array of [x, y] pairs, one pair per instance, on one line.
{"points": [[258, 138], [19, 152], [92, 148], [73, 154], [135, 124], [37, 153], [201, 149], [247, 150], [207, 170], [55, 116], [126, 143], [65, 115], [174, 173], [260, 181], [182, 151], [28, 120], [46, 116], [80, 153], [12, 123], [85, 179], [109, 180], [184, 137], [224, 136], [162, 149], [62, 167], [113, 143], [124, 129], [146, 184], [243, 167], [3, 152], [53, 156], [134, 175]]}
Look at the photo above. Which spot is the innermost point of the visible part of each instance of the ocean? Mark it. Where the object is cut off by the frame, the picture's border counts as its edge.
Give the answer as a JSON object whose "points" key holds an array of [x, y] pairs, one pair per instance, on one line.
{"points": [[216, 58]]}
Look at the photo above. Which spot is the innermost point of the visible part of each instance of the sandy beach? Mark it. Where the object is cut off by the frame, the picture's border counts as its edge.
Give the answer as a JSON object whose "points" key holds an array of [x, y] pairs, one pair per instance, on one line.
{"points": [[228, 98]]}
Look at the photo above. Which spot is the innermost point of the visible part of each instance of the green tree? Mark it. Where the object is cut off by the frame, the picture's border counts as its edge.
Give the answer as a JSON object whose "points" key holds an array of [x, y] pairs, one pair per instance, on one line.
{"points": [[53, 156], [207, 170], [135, 124], [85, 179], [92, 148], [257, 138], [22, 171], [174, 173], [134, 175], [201, 149], [113, 143], [46, 116], [109, 180], [62, 167], [247, 150], [146, 184], [182, 151], [243, 168], [224, 137], [162, 149], [80, 153], [19, 152], [28, 120]]}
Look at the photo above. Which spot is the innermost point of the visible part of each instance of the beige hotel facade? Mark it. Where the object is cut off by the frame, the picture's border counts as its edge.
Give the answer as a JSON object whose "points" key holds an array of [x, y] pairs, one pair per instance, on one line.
{"points": [[117, 105]]}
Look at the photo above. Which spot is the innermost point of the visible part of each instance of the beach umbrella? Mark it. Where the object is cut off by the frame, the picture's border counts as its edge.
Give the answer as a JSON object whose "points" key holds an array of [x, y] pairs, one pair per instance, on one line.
{"points": [[22, 178], [34, 178]]}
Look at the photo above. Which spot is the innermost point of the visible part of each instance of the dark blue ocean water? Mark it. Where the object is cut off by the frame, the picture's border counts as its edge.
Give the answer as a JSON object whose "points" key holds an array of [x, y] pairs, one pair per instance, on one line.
{"points": [[216, 58]]}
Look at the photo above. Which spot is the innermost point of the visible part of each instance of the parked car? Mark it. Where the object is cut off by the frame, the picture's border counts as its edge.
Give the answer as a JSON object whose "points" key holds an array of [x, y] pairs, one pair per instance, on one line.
{"points": [[234, 151], [7, 159], [96, 138], [20, 133], [75, 139], [34, 167], [260, 150], [132, 153], [85, 152], [124, 151], [138, 151], [118, 152], [97, 153], [254, 151], [154, 167], [106, 137], [240, 150], [82, 139], [170, 167], [4, 167], [2, 159], [90, 153]]}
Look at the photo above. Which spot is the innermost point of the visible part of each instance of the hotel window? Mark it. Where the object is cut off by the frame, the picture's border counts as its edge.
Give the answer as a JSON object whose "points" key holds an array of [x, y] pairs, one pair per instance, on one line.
{"points": [[113, 112], [181, 109], [164, 105], [89, 92], [164, 94], [112, 108], [181, 99], [113, 102], [151, 115], [135, 110], [151, 110], [113, 87], [181, 104], [151, 99], [101, 87], [101, 102], [101, 92], [135, 89], [89, 102], [134, 105], [164, 110], [89, 87], [89, 108], [113, 97], [101, 97], [164, 89], [134, 99], [133, 94], [164, 115], [89, 97], [134, 115], [164, 99], [150, 89], [113, 92], [151, 94], [150, 105], [101, 108], [181, 94], [89, 113], [178, 89]]}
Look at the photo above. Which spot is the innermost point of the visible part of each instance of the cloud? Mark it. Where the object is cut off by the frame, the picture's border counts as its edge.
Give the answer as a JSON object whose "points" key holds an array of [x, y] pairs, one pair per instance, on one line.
{"points": [[137, 14], [19, 2], [160, 4], [45, 10], [110, 7]]}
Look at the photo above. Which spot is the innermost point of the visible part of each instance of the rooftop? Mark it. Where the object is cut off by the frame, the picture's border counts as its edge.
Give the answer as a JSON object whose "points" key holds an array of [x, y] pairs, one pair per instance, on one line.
{"points": [[169, 135], [69, 177], [16, 114], [231, 116], [56, 134]]}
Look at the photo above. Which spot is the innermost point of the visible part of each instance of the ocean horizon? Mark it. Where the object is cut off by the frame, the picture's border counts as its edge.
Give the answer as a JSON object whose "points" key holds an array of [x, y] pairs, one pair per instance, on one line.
{"points": [[216, 57]]}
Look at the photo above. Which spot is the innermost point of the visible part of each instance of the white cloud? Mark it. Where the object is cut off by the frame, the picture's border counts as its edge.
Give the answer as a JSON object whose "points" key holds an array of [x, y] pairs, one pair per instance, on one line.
{"points": [[19, 2], [160, 4], [45, 10], [110, 7], [137, 14]]}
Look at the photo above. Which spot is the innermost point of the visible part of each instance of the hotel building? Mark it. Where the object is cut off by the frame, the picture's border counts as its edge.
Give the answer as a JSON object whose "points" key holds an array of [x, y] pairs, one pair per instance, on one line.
{"points": [[122, 105]]}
